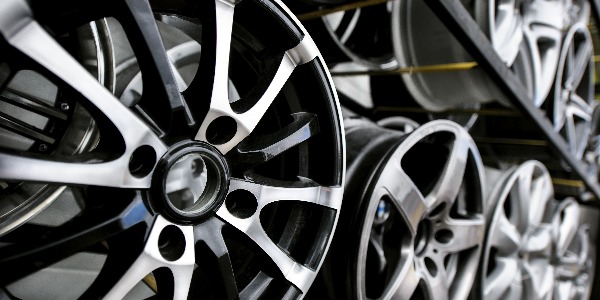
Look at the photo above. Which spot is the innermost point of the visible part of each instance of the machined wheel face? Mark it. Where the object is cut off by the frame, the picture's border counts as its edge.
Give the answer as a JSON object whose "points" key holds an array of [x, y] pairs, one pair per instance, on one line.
{"points": [[214, 163], [517, 258], [418, 226], [571, 104]]}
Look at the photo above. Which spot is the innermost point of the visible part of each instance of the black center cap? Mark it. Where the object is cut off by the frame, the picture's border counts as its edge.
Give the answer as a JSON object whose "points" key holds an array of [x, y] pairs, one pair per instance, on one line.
{"points": [[190, 182]]}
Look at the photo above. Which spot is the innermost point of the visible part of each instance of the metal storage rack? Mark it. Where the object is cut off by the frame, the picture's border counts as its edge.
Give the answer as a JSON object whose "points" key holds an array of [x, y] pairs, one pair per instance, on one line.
{"points": [[453, 14]]}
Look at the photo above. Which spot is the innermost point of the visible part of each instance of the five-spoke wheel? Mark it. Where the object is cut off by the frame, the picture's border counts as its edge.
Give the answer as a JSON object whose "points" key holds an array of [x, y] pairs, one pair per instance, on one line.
{"points": [[413, 222]]}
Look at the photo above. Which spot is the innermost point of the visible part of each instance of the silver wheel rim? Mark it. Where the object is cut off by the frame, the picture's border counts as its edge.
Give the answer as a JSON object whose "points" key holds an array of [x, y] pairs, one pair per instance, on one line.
{"points": [[573, 262], [415, 28], [573, 97], [516, 260], [439, 250]]}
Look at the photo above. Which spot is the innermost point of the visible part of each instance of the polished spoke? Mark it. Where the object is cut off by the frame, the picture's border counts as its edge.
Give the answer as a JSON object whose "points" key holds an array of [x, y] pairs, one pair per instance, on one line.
{"points": [[210, 232], [541, 191], [506, 238], [466, 234], [246, 121], [151, 259], [580, 107], [519, 199], [109, 174], [539, 242], [566, 224], [91, 227], [321, 195], [408, 200], [500, 281], [161, 98], [538, 280], [294, 272]]}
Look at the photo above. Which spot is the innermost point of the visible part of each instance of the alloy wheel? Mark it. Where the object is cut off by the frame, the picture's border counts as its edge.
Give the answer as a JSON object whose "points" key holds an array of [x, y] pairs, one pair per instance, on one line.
{"points": [[184, 185], [571, 105], [413, 230], [516, 260]]}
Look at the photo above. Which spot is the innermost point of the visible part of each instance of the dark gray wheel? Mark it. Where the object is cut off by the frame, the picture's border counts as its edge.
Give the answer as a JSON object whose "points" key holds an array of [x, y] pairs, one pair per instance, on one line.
{"points": [[414, 224]]}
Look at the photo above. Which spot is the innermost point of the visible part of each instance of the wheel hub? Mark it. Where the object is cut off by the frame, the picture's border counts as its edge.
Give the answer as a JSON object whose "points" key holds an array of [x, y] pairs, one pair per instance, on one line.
{"points": [[191, 182]]}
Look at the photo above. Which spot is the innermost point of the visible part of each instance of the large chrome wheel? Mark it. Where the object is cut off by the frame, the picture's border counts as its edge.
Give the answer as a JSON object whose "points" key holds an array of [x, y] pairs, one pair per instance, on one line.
{"points": [[414, 222], [212, 166], [517, 258]]}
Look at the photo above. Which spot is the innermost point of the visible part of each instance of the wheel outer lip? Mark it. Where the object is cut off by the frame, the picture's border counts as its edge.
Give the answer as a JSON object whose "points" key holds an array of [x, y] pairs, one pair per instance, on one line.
{"points": [[341, 131], [498, 196], [411, 140]]}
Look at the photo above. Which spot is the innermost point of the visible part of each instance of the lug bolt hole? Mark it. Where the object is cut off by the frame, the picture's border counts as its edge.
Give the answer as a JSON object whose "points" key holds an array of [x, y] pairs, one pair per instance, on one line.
{"points": [[142, 161], [444, 236], [221, 130], [171, 243], [241, 203]]}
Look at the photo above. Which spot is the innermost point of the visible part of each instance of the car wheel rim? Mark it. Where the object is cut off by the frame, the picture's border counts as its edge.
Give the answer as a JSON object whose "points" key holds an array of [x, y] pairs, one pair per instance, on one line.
{"points": [[516, 259], [572, 101], [411, 233], [250, 162]]}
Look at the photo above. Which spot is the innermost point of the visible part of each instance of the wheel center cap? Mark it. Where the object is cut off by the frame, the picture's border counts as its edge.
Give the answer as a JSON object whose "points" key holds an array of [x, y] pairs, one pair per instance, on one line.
{"points": [[192, 182], [186, 183]]}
